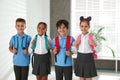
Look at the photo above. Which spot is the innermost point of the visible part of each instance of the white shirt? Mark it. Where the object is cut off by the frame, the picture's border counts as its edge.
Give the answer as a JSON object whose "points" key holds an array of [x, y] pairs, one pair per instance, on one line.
{"points": [[84, 46], [40, 45]]}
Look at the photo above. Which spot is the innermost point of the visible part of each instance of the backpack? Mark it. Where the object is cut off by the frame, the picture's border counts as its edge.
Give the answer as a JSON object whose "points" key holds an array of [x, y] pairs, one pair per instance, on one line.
{"points": [[91, 46], [57, 45], [24, 43], [35, 40]]}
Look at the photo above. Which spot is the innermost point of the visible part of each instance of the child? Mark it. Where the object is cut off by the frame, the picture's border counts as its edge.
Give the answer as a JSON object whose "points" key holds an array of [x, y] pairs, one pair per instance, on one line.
{"points": [[18, 45], [85, 65], [41, 54], [61, 46]]}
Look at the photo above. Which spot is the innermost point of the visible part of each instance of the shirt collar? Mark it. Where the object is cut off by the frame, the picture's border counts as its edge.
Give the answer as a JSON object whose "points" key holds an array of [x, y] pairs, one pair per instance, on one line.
{"points": [[84, 35], [41, 36], [62, 37], [21, 36]]}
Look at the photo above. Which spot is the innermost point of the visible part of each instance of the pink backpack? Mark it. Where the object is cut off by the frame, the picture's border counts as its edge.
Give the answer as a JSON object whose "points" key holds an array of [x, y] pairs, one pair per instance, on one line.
{"points": [[91, 46]]}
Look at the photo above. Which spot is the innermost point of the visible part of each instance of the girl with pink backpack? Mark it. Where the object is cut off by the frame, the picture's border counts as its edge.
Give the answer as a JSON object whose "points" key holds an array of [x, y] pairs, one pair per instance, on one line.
{"points": [[87, 48]]}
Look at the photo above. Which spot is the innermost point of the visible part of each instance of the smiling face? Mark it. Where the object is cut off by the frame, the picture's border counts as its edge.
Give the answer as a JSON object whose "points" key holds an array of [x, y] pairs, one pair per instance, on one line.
{"points": [[20, 27], [84, 27], [41, 29], [62, 30]]}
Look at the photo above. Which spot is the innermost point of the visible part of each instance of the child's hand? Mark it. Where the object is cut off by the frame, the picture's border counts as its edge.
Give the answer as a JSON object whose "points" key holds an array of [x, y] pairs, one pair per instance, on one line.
{"points": [[14, 51], [25, 51], [68, 53], [55, 50], [91, 42], [49, 43], [77, 42], [32, 42]]}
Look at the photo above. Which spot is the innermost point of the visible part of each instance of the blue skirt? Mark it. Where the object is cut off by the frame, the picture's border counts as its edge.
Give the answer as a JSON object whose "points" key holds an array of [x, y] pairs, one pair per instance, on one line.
{"points": [[85, 65]]}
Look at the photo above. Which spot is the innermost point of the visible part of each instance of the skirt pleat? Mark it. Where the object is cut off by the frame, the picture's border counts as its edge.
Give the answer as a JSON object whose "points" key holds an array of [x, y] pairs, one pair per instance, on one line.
{"points": [[41, 64], [85, 65]]}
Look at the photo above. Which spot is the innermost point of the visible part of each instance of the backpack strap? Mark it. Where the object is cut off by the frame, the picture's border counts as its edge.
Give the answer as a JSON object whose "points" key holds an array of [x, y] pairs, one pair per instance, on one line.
{"points": [[92, 47], [34, 44], [46, 42], [79, 38], [91, 38], [58, 47], [68, 43], [67, 46], [57, 43], [24, 42], [35, 40], [16, 43]]}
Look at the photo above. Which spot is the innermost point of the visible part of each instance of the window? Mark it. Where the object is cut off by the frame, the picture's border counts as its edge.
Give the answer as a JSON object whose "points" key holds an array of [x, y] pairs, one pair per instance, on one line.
{"points": [[103, 12], [10, 10]]}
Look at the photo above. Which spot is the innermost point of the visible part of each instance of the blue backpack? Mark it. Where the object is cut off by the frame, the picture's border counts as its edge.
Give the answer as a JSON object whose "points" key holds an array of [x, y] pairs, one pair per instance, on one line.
{"points": [[24, 43], [46, 42]]}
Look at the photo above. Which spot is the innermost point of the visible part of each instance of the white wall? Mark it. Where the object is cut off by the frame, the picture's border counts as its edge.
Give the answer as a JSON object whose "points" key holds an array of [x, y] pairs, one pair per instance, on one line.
{"points": [[33, 11], [37, 11]]}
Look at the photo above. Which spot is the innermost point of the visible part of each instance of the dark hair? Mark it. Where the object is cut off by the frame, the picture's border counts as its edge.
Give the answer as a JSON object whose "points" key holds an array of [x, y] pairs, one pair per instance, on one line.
{"points": [[62, 21], [43, 24], [20, 20], [88, 19]]}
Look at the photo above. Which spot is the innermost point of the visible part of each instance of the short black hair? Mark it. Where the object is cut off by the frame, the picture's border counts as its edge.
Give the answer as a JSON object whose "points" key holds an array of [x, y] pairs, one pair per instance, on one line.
{"points": [[20, 20], [62, 21]]}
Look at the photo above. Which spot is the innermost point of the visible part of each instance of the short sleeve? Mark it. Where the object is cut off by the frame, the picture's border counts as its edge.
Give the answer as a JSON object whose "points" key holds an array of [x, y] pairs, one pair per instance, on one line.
{"points": [[29, 39], [11, 43], [98, 45], [52, 44], [49, 39], [72, 40], [30, 47]]}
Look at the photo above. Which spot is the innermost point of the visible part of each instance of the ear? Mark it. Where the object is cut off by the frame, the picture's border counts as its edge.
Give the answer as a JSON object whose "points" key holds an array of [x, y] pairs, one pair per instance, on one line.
{"points": [[89, 18], [45, 29], [81, 18]]}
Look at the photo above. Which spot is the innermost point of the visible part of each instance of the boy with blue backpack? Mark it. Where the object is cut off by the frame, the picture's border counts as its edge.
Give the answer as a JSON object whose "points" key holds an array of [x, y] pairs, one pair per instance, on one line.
{"points": [[18, 45]]}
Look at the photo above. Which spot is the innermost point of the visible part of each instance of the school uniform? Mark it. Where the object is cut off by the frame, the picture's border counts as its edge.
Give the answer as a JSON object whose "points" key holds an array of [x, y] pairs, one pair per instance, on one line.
{"points": [[20, 60], [41, 57], [84, 64], [63, 68]]}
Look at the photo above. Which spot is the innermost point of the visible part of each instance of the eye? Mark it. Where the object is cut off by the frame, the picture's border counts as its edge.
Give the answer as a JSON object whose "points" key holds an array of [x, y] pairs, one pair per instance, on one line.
{"points": [[81, 26], [59, 27], [86, 26], [64, 27], [39, 28], [43, 28], [22, 26]]}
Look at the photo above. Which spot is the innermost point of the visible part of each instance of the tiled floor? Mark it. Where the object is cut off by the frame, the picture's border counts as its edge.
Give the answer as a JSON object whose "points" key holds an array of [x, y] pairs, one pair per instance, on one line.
{"points": [[102, 75]]}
